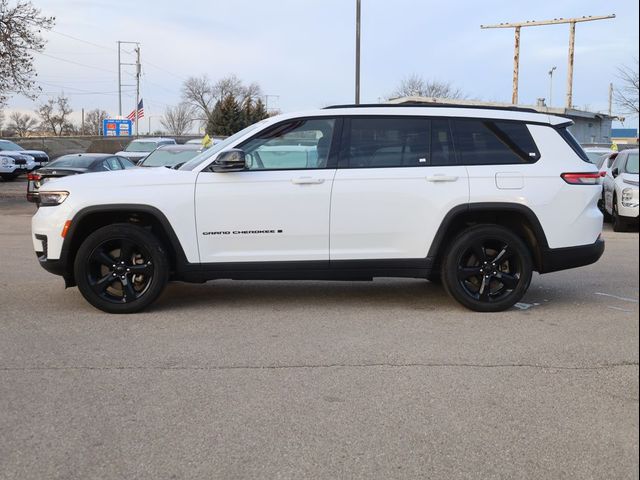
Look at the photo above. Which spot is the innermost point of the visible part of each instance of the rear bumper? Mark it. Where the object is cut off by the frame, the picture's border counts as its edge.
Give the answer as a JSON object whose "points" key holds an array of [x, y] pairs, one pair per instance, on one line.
{"points": [[556, 259]]}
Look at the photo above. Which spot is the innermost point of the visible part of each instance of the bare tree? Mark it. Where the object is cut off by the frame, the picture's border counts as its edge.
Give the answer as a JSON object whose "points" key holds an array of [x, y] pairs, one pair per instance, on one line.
{"points": [[93, 121], [55, 115], [22, 124], [1, 120], [20, 28], [416, 86], [198, 92], [178, 119], [203, 95], [627, 94]]}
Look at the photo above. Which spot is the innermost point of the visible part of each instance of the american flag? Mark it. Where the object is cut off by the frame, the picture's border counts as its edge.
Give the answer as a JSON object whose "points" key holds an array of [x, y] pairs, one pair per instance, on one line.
{"points": [[132, 115]]}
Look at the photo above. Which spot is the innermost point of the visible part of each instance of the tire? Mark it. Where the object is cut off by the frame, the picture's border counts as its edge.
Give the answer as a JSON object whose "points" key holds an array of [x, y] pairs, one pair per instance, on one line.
{"points": [[8, 177], [121, 268], [619, 224], [435, 277], [469, 263]]}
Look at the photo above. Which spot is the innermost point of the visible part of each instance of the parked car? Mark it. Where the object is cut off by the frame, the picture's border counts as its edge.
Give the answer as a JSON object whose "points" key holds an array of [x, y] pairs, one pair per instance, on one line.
{"points": [[172, 156], [73, 165], [477, 198], [597, 155], [621, 190], [140, 148], [40, 157], [14, 164]]}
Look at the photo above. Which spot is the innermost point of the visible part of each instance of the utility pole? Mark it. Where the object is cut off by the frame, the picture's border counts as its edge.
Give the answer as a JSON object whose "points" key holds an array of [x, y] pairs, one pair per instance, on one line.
{"points": [[120, 64], [358, 15], [119, 82], [556, 21], [610, 99], [551, 86], [82, 128], [138, 69]]}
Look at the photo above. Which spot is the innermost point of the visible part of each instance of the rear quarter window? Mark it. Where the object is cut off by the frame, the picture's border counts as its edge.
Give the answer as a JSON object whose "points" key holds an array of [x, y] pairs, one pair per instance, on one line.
{"points": [[493, 142], [573, 143]]}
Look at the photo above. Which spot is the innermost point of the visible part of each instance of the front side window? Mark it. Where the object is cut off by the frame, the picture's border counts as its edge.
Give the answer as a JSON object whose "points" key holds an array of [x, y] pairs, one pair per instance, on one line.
{"points": [[298, 144], [490, 142], [112, 163]]}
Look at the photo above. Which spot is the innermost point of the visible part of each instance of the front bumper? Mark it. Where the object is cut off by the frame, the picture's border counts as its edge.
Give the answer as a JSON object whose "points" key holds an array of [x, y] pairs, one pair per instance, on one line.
{"points": [[556, 259]]}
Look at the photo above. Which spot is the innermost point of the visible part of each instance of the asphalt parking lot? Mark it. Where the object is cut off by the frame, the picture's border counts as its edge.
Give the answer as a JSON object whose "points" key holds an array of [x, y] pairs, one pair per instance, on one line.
{"points": [[384, 379]]}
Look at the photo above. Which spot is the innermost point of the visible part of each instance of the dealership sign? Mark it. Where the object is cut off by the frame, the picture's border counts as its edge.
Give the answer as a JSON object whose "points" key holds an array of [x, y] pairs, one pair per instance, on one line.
{"points": [[116, 127]]}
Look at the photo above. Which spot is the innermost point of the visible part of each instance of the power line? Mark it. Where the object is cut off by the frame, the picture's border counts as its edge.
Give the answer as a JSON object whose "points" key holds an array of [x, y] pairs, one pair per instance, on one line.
{"points": [[75, 63]]}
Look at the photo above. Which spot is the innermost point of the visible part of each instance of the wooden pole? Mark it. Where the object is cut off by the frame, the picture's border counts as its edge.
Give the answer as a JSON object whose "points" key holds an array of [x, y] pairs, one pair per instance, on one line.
{"points": [[533, 23], [516, 67], [572, 40]]}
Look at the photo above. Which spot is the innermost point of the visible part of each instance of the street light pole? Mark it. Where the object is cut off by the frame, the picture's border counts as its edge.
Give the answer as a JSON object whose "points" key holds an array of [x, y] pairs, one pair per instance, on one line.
{"points": [[551, 86], [358, 12]]}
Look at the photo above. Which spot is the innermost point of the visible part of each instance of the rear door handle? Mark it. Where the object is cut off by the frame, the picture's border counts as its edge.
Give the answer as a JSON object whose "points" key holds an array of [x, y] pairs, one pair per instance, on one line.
{"points": [[307, 181], [439, 177]]}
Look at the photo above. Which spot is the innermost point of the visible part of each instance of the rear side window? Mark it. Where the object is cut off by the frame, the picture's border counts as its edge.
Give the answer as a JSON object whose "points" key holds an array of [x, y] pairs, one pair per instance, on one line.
{"points": [[573, 143], [489, 142], [382, 142], [388, 142]]}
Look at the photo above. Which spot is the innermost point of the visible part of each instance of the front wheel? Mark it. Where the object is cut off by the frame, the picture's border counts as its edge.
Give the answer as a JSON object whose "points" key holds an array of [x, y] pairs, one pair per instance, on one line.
{"points": [[619, 224], [487, 268], [121, 268]]}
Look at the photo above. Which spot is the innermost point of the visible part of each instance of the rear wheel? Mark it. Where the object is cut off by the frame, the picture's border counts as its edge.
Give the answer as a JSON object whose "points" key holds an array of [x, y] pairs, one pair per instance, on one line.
{"points": [[121, 268], [487, 268]]}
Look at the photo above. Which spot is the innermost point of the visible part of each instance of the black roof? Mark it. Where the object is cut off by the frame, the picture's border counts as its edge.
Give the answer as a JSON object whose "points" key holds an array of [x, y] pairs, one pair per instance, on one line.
{"points": [[434, 104]]}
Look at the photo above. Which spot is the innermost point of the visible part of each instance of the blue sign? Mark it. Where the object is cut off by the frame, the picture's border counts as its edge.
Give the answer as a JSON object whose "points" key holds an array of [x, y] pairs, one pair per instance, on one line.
{"points": [[116, 128]]}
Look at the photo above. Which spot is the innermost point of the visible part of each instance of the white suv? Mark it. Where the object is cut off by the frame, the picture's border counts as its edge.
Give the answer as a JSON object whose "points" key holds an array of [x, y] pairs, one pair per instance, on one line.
{"points": [[621, 190], [476, 198]]}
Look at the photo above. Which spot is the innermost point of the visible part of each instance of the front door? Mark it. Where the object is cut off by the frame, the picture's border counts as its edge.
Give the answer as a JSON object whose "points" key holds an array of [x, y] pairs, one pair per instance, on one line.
{"points": [[278, 208]]}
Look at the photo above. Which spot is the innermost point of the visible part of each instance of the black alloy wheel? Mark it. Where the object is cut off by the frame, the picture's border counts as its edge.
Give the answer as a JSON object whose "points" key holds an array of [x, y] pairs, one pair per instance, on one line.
{"points": [[488, 268], [121, 268]]}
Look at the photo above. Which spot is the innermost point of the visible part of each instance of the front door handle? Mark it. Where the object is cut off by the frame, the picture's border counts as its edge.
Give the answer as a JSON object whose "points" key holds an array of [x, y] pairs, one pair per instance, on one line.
{"points": [[439, 177], [307, 181]]}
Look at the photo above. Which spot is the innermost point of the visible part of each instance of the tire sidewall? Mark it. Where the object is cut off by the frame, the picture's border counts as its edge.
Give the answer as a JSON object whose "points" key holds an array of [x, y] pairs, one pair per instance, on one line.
{"points": [[458, 248], [139, 236]]}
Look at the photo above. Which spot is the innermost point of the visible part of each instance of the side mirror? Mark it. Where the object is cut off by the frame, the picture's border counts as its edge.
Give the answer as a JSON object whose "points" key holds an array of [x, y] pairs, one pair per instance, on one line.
{"points": [[615, 172], [233, 160]]}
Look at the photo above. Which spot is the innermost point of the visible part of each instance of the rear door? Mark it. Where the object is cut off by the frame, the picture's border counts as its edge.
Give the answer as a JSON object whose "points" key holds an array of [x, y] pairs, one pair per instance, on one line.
{"points": [[396, 181]]}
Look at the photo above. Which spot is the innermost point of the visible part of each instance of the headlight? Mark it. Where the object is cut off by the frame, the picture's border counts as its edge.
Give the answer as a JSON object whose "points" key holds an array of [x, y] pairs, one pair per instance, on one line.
{"points": [[6, 161], [51, 199], [627, 198]]}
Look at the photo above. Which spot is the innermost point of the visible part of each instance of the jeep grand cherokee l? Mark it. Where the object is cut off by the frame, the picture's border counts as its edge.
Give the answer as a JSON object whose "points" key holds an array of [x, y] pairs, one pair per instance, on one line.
{"points": [[477, 198]]}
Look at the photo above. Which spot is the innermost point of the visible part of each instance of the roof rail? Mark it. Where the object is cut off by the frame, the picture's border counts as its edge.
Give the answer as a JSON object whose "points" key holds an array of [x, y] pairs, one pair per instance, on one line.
{"points": [[437, 105]]}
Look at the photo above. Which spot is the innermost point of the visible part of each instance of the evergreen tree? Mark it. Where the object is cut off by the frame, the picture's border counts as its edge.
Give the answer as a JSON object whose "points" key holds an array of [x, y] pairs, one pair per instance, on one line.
{"points": [[259, 112], [226, 118]]}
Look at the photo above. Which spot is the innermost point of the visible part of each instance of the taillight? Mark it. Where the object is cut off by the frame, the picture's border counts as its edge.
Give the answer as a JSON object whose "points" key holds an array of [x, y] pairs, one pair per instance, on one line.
{"points": [[581, 178], [33, 176]]}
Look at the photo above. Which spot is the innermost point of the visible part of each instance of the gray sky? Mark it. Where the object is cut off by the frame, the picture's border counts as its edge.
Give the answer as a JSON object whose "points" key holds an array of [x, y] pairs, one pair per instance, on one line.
{"points": [[302, 51]]}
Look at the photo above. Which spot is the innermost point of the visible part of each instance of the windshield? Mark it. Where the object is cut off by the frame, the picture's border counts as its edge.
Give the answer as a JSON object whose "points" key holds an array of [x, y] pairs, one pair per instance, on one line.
{"points": [[632, 163], [69, 161], [168, 158], [7, 145], [207, 154], [141, 147]]}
